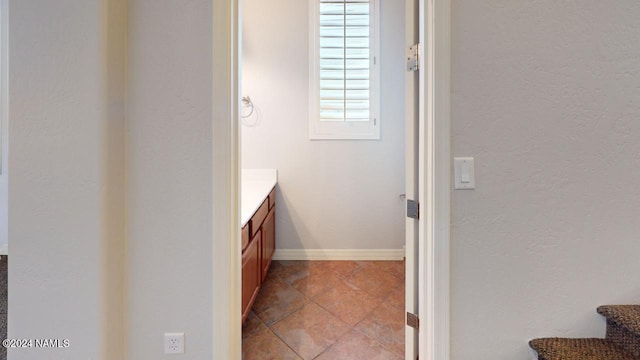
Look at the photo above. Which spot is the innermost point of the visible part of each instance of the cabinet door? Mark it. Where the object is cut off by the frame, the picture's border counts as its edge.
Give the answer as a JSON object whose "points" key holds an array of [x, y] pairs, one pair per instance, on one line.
{"points": [[251, 274], [268, 241], [245, 237]]}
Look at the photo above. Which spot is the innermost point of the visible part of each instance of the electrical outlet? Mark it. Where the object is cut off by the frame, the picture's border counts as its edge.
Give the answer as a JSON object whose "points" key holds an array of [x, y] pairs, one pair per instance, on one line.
{"points": [[174, 343]]}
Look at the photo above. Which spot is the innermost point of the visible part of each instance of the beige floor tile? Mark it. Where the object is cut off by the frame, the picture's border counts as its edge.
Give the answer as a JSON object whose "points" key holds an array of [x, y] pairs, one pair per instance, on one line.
{"points": [[395, 268], [328, 310], [347, 303], [385, 324], [252, 325], [310, 330], [374, 281], [316, 283], [356, 346], [276, 300], [397, 296], [340, 268], [290, 271], [265, 345]]}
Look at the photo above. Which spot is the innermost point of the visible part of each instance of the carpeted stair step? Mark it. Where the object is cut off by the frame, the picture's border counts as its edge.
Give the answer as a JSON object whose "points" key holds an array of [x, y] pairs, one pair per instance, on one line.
{"points": [[623, 326], [579, 349]]}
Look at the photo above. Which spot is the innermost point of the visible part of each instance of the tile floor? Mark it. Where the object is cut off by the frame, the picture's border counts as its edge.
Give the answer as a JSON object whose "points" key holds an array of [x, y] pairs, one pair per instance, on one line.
{"points": [[328, 310]]}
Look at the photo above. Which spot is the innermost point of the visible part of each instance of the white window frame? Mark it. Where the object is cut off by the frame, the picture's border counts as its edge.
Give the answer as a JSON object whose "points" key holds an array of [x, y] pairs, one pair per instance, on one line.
{"points": [[344, 130]]}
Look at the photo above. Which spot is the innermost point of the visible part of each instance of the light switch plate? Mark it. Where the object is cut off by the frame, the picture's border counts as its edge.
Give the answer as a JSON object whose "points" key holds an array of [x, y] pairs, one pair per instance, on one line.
{"points": [[464, 173]]}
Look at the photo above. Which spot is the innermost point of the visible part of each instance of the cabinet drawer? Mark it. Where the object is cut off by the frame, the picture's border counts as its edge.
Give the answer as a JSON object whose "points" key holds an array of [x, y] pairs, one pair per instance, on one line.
{"points": [[258, 217], [245, 237], [272, 198]]}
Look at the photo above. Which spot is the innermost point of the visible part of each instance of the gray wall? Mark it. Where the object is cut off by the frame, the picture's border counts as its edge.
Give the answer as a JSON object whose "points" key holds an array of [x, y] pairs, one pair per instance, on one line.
{"points": [[4, 131], [170, 177], [66, 192], [546, 97], [332, 194]]}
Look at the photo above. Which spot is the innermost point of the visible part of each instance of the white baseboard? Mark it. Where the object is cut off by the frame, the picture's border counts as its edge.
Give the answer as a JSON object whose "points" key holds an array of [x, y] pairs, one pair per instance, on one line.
{"points": [[338, 254], [4, 249]]}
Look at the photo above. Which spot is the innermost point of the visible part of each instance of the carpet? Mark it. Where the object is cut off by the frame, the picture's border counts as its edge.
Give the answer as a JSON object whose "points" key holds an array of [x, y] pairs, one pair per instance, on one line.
{"points": [[3, 304]]}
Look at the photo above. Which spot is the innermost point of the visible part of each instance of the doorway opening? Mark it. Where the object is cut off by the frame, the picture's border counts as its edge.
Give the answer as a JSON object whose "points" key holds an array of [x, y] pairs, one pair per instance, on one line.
{"points": [[433, 266], [334, 198]]}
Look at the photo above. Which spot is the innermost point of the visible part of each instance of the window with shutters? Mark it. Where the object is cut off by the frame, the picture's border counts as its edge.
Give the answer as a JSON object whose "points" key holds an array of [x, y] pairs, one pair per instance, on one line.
{"points": [[344, 70]]}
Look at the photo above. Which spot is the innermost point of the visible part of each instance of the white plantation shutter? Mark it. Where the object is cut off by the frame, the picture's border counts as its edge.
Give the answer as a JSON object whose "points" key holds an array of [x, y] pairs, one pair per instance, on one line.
{"points": [[343, 63], [344, 60]]}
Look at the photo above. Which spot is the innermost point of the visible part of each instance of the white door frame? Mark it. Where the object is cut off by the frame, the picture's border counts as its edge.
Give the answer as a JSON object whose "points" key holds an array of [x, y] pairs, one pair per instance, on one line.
{"points": [[411, 181], [435, 130], [227, 293], [435, 175]]}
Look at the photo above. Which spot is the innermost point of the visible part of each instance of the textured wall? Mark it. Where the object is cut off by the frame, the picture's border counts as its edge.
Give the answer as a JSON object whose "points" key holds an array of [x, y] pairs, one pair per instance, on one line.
{"points": [[66, 193], [546, 97], [332, 194], [4, 127], [170, 177]]}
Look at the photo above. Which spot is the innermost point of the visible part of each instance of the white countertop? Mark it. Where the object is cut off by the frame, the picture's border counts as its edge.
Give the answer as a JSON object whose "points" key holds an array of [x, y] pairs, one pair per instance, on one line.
{"points": [[255, 186]]}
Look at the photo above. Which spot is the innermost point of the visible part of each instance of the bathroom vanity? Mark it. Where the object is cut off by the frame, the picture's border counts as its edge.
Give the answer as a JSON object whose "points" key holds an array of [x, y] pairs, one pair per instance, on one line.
{"points": [[258, 231]]}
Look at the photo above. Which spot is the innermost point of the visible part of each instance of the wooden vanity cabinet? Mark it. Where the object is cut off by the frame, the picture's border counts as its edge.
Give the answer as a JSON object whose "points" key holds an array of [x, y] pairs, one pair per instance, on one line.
{"points": [[251, 273], [258, 244], [258, 217], [268, 241], [245, 237]]}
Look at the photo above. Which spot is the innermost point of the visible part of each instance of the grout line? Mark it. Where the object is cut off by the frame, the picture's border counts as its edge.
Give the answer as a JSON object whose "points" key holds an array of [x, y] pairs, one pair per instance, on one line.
{"points": [[384, 346], [335, 342], [285, 343], [359, 266]]}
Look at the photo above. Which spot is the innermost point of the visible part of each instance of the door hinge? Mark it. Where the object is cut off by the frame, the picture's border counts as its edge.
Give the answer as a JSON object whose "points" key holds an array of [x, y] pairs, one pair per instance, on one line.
{"points": [[413, 209], [413, 57], [413, 320]]}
